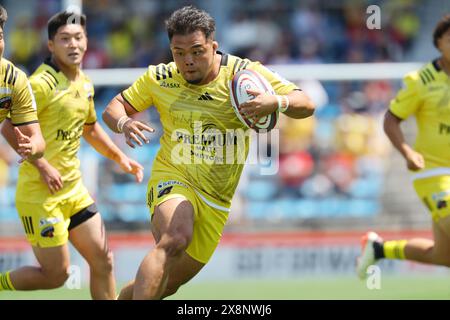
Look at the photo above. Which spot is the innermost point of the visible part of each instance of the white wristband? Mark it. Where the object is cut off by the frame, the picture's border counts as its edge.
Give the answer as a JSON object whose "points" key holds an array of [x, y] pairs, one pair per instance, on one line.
{"points": [[121, 123], [283, 103]]}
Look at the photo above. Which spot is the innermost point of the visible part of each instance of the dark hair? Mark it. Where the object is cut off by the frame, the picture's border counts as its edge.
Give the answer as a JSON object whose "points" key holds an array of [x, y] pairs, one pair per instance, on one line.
{"points": [[188, 20], [441, 28], [3, 16], [63, 18]]}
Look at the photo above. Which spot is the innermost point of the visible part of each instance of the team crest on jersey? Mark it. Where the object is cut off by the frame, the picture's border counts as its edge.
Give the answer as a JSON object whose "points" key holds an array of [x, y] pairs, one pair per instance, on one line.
{"points": [[5, 103], [440, 199], [47, 226], [164, 191], [48, 232]]}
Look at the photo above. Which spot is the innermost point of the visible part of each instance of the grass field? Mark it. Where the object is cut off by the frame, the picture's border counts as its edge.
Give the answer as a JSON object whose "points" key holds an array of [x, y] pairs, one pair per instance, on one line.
{"points": [[324, 288]]}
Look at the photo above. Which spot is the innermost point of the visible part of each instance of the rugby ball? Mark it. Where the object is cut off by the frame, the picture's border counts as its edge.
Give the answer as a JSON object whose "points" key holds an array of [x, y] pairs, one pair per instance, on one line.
{"points": [[239, 84]]}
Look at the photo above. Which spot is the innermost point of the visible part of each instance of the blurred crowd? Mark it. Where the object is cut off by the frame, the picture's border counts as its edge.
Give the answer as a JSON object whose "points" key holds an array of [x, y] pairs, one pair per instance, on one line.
{"points": [[132, 34], [331, 165]]}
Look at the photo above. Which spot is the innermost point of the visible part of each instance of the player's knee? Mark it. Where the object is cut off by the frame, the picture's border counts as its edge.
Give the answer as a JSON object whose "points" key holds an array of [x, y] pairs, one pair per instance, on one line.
{"points": [[170, 290], [104, 262], [108, 261], [176, 244]]}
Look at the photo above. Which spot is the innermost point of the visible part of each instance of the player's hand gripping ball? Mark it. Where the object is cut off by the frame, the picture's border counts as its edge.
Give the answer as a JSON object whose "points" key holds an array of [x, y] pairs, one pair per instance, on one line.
{"points": [[251, 80]]}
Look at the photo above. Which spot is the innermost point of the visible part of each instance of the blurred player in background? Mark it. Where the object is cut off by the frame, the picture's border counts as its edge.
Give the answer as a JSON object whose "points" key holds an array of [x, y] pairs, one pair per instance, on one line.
{"points": [[51, 199], [426, 95], [17, 103], [189, 203]]}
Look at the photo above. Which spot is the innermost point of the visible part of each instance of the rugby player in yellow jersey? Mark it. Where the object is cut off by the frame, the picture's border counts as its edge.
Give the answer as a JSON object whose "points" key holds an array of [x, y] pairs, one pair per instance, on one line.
{"points": [[189, 202], [426, 95], [17, 103], [51, 199]]}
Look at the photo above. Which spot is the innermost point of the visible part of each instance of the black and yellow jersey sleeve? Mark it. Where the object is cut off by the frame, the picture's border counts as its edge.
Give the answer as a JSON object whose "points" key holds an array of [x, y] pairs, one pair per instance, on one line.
{"points": [[408, 99], [139, 94], [43, 89], [16, 97]]}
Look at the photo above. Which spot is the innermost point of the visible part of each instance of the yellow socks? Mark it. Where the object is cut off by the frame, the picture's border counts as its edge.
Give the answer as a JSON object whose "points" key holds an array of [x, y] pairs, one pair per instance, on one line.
{"points": [[5, 282], [394, 249]]}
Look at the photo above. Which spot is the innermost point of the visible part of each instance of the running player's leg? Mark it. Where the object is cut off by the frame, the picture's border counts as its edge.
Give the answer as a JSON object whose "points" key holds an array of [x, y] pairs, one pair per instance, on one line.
{"points": [[423, 250], [173, 220], [51, 273], [183, 271], [186, 268], [46, 230], [432, 252], [89, 238], [435, 195]]}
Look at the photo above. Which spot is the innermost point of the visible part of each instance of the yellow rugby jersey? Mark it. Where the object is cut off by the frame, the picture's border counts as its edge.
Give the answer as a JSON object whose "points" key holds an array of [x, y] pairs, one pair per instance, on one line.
{"points": [[63, 108], [426, 95], [199, 124], [16, 97]]}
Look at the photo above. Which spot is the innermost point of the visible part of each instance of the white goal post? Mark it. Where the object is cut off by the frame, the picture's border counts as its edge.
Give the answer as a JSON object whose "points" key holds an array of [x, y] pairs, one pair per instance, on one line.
{"points": [[293, 72]]}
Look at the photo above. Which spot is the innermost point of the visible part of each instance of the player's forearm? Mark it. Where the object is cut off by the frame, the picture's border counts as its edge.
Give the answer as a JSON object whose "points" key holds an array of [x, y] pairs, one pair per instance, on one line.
{"points": [[394, 133], [40, 163], [114, 112], [101, 142], [33, 131], [38, 141], [8, 133], [300, 106]]}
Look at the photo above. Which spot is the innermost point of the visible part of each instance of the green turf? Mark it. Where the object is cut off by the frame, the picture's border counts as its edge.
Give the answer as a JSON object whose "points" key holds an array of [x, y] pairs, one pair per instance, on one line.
{"points": [[308, 288]]}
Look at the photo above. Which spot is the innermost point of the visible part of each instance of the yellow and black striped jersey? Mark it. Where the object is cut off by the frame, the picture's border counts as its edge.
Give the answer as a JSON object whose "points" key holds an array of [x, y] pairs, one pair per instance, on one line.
{"points": [[63, 108], [200, 139], [426, 95], [16, 97]]}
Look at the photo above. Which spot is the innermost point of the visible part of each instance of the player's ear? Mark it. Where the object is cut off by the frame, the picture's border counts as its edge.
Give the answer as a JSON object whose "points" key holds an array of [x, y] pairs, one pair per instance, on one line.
{"points": [[215, 45], [87, 40], [50, 45], [439, 44]]}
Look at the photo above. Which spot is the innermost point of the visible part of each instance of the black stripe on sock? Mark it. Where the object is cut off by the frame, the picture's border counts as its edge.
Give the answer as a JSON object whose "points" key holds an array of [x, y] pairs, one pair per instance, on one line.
{"points": [[378, 250]]}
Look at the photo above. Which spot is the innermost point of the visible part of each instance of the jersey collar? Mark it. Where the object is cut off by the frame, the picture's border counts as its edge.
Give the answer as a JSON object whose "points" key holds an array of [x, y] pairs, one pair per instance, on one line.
{"points": [[223, 59], [48, 61], [438, 69], [57, 72]]}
